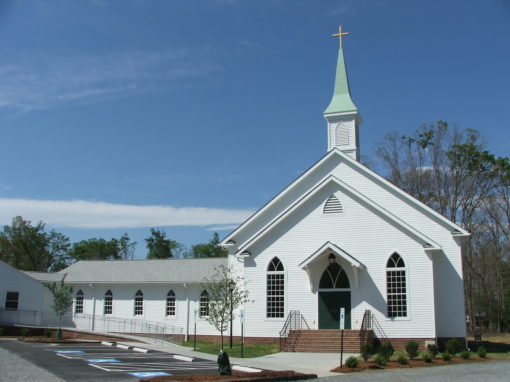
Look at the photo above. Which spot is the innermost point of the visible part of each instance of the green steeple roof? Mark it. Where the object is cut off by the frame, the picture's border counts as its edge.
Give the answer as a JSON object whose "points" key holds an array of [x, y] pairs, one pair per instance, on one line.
{"points": [[341, 101]]}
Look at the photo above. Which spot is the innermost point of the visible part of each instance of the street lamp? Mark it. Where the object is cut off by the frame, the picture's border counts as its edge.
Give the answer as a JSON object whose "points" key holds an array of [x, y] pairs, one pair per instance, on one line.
{"points": [[231, 289]]}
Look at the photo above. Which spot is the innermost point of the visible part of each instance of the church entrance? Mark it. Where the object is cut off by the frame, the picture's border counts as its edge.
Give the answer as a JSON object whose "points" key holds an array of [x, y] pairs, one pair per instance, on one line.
{"points": [[334, 294]]}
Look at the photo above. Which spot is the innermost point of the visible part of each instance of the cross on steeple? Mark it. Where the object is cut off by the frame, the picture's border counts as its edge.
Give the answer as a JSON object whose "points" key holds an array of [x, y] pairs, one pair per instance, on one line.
{"points": [[340, 34]]}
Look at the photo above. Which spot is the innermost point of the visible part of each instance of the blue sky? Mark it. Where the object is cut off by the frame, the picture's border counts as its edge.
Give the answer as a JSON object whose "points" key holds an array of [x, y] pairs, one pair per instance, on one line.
{"points": [[119, 116]]}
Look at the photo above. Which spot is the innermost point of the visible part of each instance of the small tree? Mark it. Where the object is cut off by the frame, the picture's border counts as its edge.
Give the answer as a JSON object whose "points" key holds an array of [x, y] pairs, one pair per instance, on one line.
{"points": [[226, 294], [62, 301]]}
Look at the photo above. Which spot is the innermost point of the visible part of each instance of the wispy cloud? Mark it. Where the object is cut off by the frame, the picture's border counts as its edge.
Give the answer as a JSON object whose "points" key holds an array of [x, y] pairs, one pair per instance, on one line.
{"points": [[229, 227], [86, 214], [45, 81]]}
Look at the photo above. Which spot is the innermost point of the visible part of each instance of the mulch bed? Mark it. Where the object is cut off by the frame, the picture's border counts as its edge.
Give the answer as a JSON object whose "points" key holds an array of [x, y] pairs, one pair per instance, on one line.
{"points": [[238, 377], [371, 365]]}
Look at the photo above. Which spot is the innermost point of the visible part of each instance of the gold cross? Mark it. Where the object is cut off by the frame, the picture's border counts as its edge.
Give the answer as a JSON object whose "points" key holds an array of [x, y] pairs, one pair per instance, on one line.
{"points": [[340, 34]]}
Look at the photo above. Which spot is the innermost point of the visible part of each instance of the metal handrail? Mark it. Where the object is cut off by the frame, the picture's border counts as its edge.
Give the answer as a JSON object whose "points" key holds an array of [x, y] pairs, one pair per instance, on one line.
{"points": [[294, 321]]}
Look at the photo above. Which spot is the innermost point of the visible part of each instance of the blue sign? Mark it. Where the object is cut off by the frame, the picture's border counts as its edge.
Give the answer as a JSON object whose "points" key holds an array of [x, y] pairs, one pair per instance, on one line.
{"points": [[342, 318], [102, 360], [148, 374], [69, 351]]}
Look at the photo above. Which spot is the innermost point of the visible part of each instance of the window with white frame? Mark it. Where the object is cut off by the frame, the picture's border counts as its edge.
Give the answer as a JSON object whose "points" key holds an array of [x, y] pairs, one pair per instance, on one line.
{"points": [[275, 301], [11, 300], [204, 304], [170, 303], [396, 286], [139, 303], [108, 302], [78, 306]]}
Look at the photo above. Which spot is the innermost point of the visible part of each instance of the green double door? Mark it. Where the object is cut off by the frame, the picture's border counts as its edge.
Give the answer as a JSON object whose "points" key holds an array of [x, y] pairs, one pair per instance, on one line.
{"points": [[330, 303]]}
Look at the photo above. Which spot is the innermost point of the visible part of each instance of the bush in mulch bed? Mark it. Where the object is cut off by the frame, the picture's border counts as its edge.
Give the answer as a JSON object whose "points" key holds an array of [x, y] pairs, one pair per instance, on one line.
{"points": [[289, 375]]}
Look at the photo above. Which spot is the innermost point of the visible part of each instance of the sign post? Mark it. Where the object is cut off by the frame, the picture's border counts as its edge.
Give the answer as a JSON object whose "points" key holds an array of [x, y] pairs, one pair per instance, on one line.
{"points": [[241, 317], [342, 327], [195, 333]]}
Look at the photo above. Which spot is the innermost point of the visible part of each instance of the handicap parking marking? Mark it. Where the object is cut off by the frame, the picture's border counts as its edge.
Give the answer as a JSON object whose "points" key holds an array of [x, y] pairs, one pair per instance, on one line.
{"points": [[101, 360], [149, 374], [69, 351]]}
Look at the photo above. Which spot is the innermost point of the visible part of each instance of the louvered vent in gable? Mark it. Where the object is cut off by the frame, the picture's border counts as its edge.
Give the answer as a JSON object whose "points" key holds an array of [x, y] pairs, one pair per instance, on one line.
{"points": [[333, 206]]}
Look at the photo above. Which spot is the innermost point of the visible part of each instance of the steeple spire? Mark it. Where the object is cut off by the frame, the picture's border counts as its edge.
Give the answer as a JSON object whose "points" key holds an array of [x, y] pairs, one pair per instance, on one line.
{"points": [[342, 115]]}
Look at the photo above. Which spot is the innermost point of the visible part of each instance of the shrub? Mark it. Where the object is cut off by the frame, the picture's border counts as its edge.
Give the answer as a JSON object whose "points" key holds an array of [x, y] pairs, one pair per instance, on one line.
{"points": [[25, 332], [352, 362], [482, 353], [47, 332], [367, 351], [465, 354], [446, 356], [453, 346], [427, 357], [1, 331], [386, 350], [402, 359], [412, 349], [380, 359], [433, 349]]}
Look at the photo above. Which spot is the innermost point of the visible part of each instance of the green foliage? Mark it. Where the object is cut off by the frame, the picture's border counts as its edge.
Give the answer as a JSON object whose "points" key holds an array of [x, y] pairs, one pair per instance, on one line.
{"points": [[386, 350], [482, 352], [427, 357], [367, 351], [31, 248], [25, 332], [465, 354], [62, 301], [211, 249], [226, 293], [446, 356], [47, 332], [412, 349], [160, 247], [402, 359], [453, 346], [126, 247], [380, 359], [249, 351], [1, 331], [352, 362], [433, 349], [95, 249]]}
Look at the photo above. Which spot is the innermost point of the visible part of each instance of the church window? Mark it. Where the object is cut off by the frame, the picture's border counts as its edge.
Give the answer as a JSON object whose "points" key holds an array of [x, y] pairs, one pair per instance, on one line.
{"points": [[204, 304], [108, 302], [11, 300], [396, 286], [334, 277], [78, 306], [341, 135], [170, 303], [139, 303], [333, 206], [275, 289]]}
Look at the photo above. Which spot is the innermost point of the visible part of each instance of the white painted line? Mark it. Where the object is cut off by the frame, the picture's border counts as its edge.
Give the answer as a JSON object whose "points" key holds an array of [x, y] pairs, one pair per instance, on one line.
{"points": [[107, 343], [99, 367], [122, 346], [64, 356], [246, 369], [141, 350], [183, 358]]}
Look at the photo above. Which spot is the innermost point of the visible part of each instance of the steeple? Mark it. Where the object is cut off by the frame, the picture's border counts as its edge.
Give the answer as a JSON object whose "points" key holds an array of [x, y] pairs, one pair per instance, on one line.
{"points": [[342, 115]]}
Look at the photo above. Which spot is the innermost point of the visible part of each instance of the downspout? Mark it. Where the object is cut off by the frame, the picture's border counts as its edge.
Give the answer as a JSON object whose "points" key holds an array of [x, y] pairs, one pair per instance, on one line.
{"points": [[187, 313], [93, 308]]}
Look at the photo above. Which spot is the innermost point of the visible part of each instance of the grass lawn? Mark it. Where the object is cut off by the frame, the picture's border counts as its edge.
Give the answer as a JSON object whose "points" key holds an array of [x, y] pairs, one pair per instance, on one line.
{"points": [[249, 351]]}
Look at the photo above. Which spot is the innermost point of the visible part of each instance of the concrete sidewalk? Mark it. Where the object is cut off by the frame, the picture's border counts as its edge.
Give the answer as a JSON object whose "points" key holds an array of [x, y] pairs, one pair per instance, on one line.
{"points": [[315, 363]]}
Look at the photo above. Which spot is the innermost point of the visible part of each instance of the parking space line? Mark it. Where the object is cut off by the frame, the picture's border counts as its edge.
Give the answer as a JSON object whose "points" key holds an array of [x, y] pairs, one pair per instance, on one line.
{"points": [[99, 367]]}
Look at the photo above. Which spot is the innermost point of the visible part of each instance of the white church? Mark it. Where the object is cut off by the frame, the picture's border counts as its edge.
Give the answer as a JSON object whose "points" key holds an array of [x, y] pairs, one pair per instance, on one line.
{"points": [[339, 237]]}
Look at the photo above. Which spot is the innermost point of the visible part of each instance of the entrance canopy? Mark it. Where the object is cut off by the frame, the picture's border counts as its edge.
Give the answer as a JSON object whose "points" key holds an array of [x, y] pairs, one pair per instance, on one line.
{"points": [[325, 250]]}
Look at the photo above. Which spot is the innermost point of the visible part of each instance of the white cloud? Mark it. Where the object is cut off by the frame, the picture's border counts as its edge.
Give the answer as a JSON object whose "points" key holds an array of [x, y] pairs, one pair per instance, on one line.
{"points": [[223, 228], [34, 82], [86, 214]]}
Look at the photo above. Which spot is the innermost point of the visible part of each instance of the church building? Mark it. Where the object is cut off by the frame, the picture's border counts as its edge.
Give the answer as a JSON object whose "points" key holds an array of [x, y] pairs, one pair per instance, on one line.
{"points": [[340, 245]]}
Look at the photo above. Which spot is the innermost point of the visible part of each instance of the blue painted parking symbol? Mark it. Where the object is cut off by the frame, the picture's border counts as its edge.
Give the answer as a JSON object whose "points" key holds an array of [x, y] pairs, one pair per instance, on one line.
{"points": [[102, 360], [69, 351], [148, 374]]}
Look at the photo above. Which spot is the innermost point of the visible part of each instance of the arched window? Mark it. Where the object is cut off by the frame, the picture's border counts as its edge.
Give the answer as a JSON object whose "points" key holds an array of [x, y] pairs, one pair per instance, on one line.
{"points": [[396, 286], [108, 302], [204, 304], [78, 306], [341, 134], [333, 206], [275, 306], [170, 303], [139, 303], [334, 277]]}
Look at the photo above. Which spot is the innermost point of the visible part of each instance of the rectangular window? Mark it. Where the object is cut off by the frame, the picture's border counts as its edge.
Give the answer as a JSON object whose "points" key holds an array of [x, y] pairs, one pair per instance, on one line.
{"points": [[275, 295], [170, 306], [11, 300], [397, 300], [108, 303], [138, 305]]}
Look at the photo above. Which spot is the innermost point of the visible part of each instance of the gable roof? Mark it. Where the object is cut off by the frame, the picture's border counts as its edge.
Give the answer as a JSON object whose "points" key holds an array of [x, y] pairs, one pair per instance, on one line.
{"points": [[330, 247], [423, 208]]}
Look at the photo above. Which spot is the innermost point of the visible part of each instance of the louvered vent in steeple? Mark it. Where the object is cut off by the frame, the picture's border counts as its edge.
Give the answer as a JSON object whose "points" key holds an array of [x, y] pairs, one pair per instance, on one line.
{"points": [[333, 206]]}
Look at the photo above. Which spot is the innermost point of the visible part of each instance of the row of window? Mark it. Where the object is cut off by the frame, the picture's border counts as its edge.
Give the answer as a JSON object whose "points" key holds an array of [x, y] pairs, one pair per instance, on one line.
{"points": [[335, 277]]}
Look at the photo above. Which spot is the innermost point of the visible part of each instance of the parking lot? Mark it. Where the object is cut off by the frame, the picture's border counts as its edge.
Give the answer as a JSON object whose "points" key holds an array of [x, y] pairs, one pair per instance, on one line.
{"points": [[94, 361]]}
